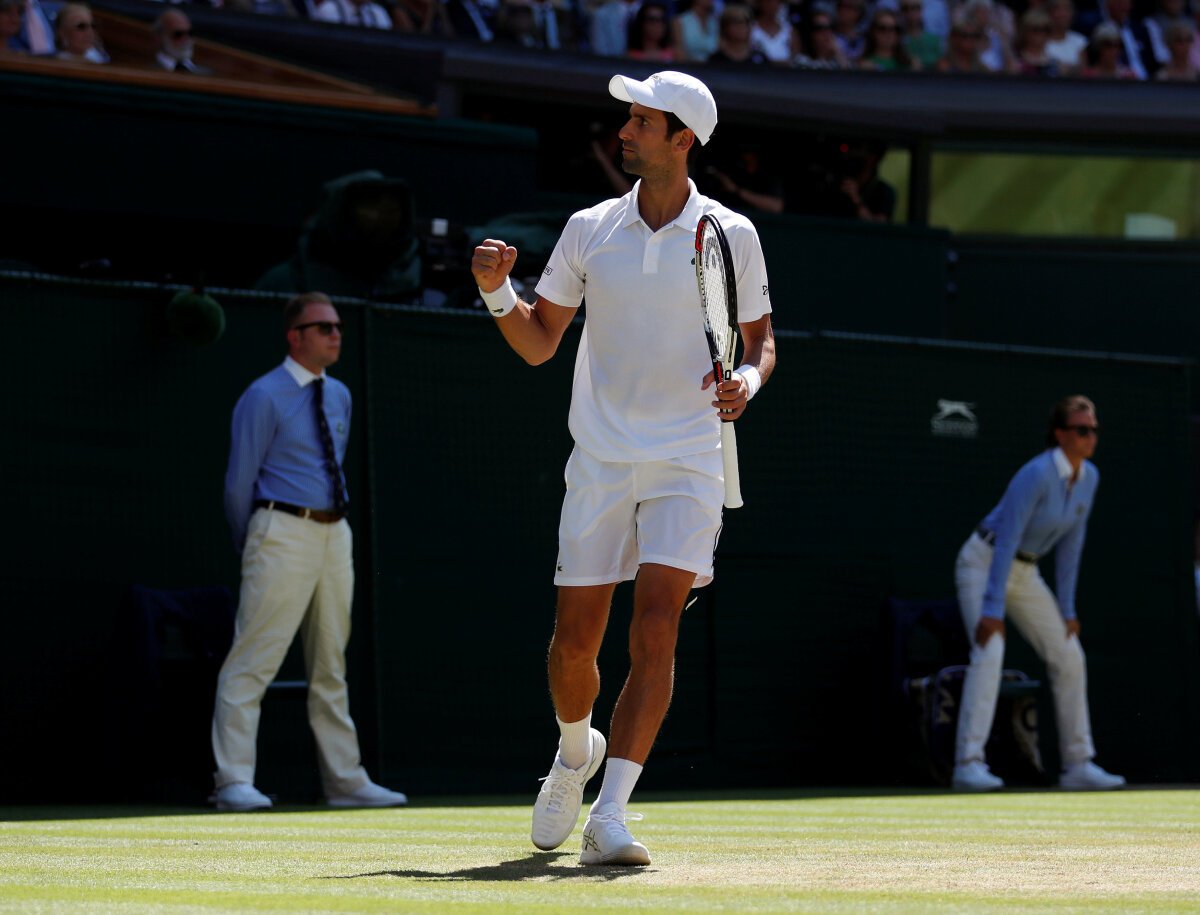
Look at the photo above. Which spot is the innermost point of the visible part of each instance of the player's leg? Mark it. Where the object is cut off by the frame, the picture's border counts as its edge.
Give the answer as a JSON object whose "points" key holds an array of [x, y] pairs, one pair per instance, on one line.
{"points": [[279, 570], [1036, 614], [658, 603], [580, 620], [678, 522], [659, 597], [981, 685], [597, 549]]}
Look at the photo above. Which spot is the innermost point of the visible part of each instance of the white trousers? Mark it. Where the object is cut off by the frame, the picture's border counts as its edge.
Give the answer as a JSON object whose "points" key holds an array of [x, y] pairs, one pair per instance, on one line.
{"points": [[296, 575], [1031, 607]]}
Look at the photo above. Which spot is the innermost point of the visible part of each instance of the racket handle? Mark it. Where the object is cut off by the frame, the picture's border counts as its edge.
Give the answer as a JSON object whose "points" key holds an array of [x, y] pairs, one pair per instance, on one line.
{"points": [[733, 481]]}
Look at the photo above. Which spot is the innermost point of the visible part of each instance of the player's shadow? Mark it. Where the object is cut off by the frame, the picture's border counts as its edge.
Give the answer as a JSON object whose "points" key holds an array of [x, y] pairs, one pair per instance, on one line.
{"points": [[535, 866]]}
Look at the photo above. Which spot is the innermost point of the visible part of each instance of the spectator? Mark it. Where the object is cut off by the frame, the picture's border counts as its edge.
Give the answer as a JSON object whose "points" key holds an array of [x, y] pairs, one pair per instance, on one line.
{"points": [[964, 47], [37, 37], [748, 182], [609, 31], [427, 17], [842, 181], [1169, 11], [1065, 46], [286, 501], [1032, 37], [1044, 509], [175, 45], [1180, 38], [283, 8], [650, 33], [994, 21], [923, 46], [364, 13], [848, 24], [11, 13], [75, 29], [883, 49], [527, 23], [696, 32], [1194, 54], [819, 49], [1104, 55], [733, 43], [772, 33], [1135, 49]]}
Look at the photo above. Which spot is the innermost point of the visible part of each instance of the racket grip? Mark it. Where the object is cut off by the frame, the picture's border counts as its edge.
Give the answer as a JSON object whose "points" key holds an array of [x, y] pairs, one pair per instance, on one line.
{"points": [[733, 481]]}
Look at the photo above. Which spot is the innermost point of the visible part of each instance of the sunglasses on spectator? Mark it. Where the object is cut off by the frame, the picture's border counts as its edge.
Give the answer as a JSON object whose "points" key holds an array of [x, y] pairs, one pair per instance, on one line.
{"points": [[1083, 431], [181, 33], [83, 26], [822, 27], [654, 19], [911, 7], [324, 328], [971, 36], [886, 28]]}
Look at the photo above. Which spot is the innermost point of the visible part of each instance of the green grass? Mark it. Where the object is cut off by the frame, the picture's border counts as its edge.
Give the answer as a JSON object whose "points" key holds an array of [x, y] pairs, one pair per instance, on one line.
{"points": [[817, 851]]}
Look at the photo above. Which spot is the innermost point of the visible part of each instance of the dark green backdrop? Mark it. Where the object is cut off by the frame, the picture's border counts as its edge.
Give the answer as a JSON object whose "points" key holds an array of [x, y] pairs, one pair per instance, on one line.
{"points": [[121, 434]]}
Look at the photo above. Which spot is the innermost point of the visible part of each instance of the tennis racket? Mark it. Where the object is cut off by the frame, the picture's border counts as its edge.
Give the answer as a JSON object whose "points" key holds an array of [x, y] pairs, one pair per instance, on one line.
{"points": [[718, 303]]}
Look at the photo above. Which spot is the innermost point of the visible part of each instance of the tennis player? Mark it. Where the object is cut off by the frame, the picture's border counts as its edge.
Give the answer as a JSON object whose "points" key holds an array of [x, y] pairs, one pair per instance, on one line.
{"points": [[1045, 507], [644, 482]]}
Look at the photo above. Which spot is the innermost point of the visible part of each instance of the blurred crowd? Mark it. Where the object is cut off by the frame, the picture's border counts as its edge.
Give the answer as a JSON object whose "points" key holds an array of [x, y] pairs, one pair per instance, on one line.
{"points": [[1115, 39]]}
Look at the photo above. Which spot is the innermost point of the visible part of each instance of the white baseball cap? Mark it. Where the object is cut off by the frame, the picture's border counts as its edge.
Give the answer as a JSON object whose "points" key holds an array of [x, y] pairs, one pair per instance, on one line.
{"points": [[684, 96]]}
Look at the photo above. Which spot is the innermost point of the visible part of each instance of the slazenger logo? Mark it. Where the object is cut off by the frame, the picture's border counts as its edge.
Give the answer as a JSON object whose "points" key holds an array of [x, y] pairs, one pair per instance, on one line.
{"points": [[955, 419]]}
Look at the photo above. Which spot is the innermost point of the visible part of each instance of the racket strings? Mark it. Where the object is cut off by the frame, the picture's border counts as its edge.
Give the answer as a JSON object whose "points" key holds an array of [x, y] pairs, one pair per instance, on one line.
{"points": [[716, 297]]}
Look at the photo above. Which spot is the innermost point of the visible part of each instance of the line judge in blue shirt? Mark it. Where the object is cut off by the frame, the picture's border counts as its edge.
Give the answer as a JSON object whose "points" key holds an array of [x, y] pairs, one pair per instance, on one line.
{"points": [[285, 498], [1045, 507]]}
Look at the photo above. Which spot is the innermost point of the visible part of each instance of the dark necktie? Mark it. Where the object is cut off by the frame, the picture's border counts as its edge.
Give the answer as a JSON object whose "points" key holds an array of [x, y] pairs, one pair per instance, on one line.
{"points": [[331, 462]]}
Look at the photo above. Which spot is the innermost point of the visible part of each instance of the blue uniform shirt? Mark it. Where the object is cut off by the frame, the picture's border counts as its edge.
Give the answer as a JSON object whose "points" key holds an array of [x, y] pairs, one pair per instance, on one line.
{"points": [[275, 451], [1040, 511]]}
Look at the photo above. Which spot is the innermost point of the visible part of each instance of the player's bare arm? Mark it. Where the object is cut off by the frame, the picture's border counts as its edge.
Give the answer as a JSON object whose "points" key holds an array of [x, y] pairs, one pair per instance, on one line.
{"points": [[532, 330], [759, 352]]}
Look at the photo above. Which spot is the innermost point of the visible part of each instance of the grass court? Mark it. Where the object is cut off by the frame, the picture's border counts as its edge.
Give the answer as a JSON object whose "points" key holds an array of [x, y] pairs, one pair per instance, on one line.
{"points": [[825, 850]]}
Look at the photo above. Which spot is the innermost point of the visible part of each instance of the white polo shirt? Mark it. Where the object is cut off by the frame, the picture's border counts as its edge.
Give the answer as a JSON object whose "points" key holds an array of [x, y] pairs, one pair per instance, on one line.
{"points": [[642, 356]]}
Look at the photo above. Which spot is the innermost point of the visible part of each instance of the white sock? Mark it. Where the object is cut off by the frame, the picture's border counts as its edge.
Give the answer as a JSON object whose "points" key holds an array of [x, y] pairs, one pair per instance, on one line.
{"points": [[575, 746], [620, 775]]}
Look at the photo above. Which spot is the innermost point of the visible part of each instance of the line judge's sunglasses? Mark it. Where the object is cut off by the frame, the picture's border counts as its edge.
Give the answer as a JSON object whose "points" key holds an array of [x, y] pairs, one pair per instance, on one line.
{"points": [[324, 328], [1083, 431]]}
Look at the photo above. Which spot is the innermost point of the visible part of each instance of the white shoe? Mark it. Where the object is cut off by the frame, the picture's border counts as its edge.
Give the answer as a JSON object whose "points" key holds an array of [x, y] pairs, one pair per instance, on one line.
{"points": [[556, 810], [1087, 776], [239, 796], [975, 776], [369, 795], [606, 838]]}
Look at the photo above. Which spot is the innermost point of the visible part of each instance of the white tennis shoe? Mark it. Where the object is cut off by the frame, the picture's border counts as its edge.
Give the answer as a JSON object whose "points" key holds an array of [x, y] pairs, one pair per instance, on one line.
{"points": [[1087, 776], [556, 810], [239, 797], [975, 776], [606, 838]]}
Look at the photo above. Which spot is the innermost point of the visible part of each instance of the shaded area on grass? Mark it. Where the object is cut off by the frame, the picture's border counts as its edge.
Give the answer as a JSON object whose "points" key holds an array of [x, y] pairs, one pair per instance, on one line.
{"points": [[534, 866]]}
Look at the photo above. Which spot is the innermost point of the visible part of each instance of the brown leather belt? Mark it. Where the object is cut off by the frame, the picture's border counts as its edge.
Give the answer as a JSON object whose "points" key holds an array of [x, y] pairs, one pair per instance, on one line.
{"points": [[311, 514], [989, 537]]}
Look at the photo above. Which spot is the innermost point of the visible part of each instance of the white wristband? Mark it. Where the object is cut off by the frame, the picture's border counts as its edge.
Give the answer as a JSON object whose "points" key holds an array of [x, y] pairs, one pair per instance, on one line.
{"points": [[501, 301], [750, 375]]}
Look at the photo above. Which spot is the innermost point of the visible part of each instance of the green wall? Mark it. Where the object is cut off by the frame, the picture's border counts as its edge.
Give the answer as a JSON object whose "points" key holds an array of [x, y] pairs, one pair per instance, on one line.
{"points": [[455, 473]]}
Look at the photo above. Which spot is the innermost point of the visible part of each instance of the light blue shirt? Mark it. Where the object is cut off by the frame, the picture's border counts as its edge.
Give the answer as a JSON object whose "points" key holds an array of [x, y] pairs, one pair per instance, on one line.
{"points": [[1041, 510], [275, 450]]}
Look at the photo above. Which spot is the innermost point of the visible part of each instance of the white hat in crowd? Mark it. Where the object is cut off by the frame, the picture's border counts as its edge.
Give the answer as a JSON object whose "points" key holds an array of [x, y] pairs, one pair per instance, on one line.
{"points": [[684, 96]]}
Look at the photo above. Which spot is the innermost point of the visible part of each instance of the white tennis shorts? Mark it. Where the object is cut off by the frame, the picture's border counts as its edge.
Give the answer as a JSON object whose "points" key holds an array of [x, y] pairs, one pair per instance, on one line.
{"points": [[616, 516]]}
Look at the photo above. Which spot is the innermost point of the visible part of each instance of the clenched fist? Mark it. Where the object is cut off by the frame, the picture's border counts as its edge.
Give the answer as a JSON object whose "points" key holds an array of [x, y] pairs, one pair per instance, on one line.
{"points": [[491, 263]]}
